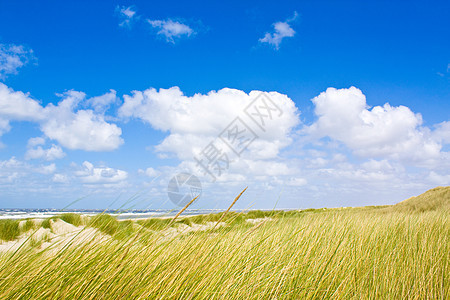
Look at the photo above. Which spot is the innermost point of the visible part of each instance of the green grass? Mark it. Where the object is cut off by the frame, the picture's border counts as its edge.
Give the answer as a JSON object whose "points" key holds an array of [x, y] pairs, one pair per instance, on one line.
{"points": [[434, 199], [71, 218], [125, 230], [338, 254], [154, 224], [231, 217], [9, 230], [29, 225], [105, 223], [355, 253], [47, 223]]}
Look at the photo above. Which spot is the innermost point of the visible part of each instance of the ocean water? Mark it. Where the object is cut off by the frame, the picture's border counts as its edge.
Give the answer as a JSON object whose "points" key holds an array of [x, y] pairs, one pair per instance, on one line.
{"points": [[121, 215]]}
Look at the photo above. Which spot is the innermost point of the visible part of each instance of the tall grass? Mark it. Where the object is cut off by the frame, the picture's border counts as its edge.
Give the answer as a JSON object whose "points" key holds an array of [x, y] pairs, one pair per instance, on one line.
{"points": [[343, 254], [29, 225], [105, 223], [9, 230], [71, 218], [434, 199], [12, 229]]}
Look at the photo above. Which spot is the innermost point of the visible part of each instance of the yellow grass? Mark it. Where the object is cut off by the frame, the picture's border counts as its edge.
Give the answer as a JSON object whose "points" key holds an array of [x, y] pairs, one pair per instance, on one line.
{"points": [[332, 254]]}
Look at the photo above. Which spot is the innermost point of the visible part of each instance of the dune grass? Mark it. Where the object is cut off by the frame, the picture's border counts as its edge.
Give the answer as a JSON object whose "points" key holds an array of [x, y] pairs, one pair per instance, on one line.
{"points": [[105, 223], [336, 254], [391, 252], [9, 230], [434, 199], [156, 223], [71, 218]]}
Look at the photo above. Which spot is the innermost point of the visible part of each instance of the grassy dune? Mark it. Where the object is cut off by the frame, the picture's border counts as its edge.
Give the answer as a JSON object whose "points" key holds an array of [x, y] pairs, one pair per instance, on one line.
{"points": [[383, 253], [434, 199]]}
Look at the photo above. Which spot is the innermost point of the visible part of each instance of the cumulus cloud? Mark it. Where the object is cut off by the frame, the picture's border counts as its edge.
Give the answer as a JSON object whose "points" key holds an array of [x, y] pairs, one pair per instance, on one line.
{"points": [[440, 179], [92, 175], [52, 153], [127, 15], [10, 170], [84, 130], [442, 132], [281, 30], [150, 172], [46, 169], [60, 178], [13, 57], [170, 29], [17, 106], [381, 131], [79, 129], [321, 161], [72, 127], [196, 120], [22, 173], [204, 121], [101, 104], [36, 141]]}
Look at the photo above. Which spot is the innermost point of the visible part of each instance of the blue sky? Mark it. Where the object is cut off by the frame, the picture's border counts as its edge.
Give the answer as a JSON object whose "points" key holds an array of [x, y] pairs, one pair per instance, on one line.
{"points": [[106, 100]]}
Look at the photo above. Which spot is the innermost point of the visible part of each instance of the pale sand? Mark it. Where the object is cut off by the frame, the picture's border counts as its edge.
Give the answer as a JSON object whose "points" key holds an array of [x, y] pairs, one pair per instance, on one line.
{"points": [[158, 217], [62, 234], [183, 228], [259, 220]]}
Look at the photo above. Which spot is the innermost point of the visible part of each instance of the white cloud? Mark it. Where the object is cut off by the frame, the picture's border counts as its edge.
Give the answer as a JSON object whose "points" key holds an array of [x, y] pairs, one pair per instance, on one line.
{"points": [[82, 129], [383, 131], [23, 174], [85, 131], [13, 57], [150, 172], [310, 169], [10, 170], [171, 29], [18, 106], [73, 128], [297, 181], [439, 179], [4, 127], [281, 31], [92, 175], [36, 141], [52, 153], [266, 168], [442, 132], [126, 15], [60, 178], [193, 122], [46, 169], [100, 104]]}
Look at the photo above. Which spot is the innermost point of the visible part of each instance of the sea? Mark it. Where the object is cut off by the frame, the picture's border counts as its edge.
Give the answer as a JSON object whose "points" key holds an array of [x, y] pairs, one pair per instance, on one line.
{"points": [[43, 213]]}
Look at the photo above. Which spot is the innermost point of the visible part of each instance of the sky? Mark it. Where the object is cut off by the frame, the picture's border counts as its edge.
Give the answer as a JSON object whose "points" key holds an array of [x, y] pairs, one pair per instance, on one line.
{"points": [[308, 103]]}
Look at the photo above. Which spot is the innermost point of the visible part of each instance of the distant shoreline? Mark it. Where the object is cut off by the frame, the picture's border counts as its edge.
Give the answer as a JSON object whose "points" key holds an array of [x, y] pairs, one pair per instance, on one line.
{"points": [[20, 214]]}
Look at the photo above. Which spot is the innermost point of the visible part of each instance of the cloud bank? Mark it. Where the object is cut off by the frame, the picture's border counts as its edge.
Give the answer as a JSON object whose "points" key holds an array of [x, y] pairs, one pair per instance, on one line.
{"points": [[350, 148]]}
